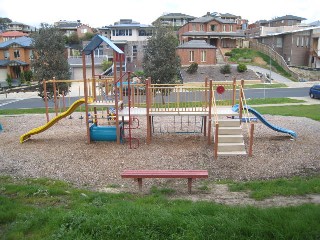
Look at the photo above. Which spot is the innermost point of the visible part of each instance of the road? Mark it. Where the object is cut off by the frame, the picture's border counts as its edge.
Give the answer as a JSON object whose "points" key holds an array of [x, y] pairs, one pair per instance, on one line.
{"points": [[36, 102]]}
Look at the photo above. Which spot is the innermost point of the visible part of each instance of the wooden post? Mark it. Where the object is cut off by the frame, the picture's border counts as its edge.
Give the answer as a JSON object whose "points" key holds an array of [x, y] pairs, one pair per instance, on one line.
{"points": [[63, 102], [46, 99], [216, 141], [85, 89], [242, 97], [251, 139], [189, 185], [210, 112], [140, 184], [234, 91], [55, 96], [148, 103]]}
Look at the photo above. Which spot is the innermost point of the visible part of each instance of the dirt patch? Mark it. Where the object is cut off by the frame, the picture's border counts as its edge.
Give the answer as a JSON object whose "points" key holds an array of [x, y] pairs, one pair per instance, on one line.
{"points": [[259, 60]]}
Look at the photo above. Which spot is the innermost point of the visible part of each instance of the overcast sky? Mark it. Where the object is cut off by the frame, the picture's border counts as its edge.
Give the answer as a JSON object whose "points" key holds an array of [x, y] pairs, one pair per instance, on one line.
{"points": [[99, 13]]}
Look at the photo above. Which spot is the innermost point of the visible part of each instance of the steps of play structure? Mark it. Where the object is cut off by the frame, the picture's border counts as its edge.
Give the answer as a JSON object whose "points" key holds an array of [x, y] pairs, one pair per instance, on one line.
{"points": [[230, 138], [231, 147], [230, 130], [232, 153], [229, 122]]}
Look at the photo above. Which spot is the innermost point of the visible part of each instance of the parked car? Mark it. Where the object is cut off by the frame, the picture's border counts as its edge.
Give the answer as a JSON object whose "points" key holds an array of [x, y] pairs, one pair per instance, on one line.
{"points": [[314, 91]]}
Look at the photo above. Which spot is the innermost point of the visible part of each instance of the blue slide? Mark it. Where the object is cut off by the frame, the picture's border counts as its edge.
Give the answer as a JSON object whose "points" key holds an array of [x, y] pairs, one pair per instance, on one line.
{"points": [[235, 108]]}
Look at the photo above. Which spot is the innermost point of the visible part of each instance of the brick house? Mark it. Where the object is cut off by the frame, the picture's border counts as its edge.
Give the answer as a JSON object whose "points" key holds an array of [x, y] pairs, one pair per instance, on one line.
{"points": [[216, 31], [174, 20], [198, 51], [298, 47], [9, 35], [73, 27], [15, 57]]}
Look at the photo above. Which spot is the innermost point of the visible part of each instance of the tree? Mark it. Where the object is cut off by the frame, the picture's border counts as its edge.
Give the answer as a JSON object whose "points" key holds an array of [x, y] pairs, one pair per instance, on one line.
{"points": [[160, 61], [49, 59]]}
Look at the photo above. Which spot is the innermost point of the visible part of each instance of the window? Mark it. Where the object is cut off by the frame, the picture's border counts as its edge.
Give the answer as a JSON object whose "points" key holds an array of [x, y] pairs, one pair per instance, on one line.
{"points": [[213, 28], [224, 28], [307, 41], [231, 28], [302, 38], [30, 54], [16, 53], [122, 32], [191, 56], [84, 30], [98, 51], [298, 41], [203, 56], [201, 27], [194, 27], [279, 42], [134, 51], [6, 54]]}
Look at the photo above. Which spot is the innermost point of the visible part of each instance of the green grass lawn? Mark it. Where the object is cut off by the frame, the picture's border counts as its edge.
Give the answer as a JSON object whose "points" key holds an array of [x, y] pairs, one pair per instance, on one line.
{"points": [[48, 209], [260, 190], [309, 111]]}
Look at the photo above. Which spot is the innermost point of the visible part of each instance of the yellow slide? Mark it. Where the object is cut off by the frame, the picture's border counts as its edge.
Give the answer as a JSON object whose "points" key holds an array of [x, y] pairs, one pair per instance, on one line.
{"points": [[40, 129]]}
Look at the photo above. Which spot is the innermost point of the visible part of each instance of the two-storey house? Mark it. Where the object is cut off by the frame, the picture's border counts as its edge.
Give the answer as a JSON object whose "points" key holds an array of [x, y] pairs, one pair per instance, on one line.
{"points": [[6, 36], [21, 27], [221, 33], [15, 57], [174, 20], [73, 27], [131, 37]]}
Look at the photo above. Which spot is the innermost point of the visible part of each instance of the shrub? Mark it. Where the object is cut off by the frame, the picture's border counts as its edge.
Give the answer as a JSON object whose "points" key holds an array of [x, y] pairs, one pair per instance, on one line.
{"points": [[28, 75], [106, 64], [225, 69], [228, 54], [242, 67], [9, 80], [192, 68]]}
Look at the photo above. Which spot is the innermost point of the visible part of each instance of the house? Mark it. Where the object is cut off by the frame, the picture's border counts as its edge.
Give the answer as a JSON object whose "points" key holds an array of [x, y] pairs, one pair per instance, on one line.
{"points": [[21, 27], [277, 25], [174, 20], [131, 37], [287, 20], [9, 35], [198, 51], [214, 30], [73, 27], [297, 47], [15, 57]]}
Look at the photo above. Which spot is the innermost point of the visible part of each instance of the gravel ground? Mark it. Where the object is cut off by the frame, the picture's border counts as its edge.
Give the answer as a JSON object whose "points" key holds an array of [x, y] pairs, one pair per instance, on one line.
{"points": [[61, 152]]}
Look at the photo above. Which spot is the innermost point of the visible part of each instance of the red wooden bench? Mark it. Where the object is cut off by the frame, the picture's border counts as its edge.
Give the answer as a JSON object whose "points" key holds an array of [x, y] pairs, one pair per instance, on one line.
{"points": [[190, 174]]}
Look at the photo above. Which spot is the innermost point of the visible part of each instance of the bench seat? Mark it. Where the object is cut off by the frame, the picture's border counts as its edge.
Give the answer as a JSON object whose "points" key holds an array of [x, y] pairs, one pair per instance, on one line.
{"points": [[189, 174]]}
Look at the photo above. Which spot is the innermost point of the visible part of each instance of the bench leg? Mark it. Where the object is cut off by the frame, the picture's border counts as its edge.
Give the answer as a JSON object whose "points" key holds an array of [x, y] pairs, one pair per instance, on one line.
{"points": [[140, 184], [189, 185]]}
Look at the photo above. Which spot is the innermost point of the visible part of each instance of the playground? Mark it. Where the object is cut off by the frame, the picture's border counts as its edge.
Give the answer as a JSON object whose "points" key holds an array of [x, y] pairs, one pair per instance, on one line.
{"points": [[123, 125], [61, 152]]}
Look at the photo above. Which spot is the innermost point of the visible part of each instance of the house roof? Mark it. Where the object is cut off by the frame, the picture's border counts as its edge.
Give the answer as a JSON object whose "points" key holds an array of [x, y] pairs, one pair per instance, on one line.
{"points": [[209, 18], [13, 34], [176, 15], [203, 19], [4, 63], [22, 41], [218, 34], [196, 44], [96, 41], [288, 17]]}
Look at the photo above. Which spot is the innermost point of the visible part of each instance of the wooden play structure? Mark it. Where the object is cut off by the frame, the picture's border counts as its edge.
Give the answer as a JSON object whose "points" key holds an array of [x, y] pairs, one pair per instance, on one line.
{"points": [[125, 101]]}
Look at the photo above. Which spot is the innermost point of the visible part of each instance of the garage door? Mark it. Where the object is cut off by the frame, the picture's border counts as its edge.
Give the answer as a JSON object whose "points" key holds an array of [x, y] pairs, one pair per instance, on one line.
{"points": [[3, 74], [76, 73]]}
